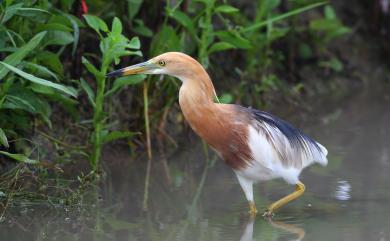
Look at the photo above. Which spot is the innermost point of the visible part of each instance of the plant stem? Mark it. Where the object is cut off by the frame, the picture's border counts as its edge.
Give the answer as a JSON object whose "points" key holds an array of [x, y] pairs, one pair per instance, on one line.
{"points": [[206, 33], [98, 120], [66, 145], [148, 146]]}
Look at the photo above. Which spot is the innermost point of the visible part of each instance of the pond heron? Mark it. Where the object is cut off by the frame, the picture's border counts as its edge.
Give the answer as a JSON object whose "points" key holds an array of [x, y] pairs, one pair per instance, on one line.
{"points": [[257, 145]]}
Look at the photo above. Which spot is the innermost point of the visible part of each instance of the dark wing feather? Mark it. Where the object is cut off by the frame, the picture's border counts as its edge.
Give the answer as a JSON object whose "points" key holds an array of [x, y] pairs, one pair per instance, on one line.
{"points": [[303, 149], [294, 135]]}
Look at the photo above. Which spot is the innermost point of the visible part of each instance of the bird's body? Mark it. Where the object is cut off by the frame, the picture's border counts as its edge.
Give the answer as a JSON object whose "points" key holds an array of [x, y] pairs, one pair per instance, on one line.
{"points": [[256, 145]]}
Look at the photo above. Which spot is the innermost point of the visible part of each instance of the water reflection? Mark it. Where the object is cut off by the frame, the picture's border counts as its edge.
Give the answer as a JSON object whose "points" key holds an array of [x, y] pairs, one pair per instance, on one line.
{"points": [[343, 190], [289, 229], [247, 235]]}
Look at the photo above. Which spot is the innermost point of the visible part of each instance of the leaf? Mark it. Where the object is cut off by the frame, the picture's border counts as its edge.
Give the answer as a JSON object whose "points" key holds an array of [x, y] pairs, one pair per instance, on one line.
{"points": [[41, 89], [134, 43], [329, 12], [133, 7], [53, 95], [58, 38], [305, 51], [276, 33], [32, 78], [234, 39], [21, 53], [10, 12], [19, 157], [226, 9], [331, 27], [89, 91], [116, 26], [90, 67], [165, 40], [54, 26], [334, 64], [96, 23], [27, 11], [184, 20], [51, 60], [3, 138], [141, 29], [114, 135], [15, 102], [324, 24], [226, 98], [220, 46], [42, 70], [19, 97], [124, 81], [20, 121], [76, 32]]}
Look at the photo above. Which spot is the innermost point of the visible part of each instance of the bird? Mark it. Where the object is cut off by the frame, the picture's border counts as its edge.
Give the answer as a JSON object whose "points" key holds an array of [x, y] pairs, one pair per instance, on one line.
{"points": [[257, 145]]}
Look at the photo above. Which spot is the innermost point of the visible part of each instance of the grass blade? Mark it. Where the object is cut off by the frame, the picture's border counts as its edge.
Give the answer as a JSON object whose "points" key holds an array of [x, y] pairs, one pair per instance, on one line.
{"points": [[283, 16], [19, 157], [89, 91], [3, 138], [40, 81], [114, 135], [21, 53]]}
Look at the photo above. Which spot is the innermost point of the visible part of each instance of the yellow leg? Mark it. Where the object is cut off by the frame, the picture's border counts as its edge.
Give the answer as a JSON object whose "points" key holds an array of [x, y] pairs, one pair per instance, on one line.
{"points": [[299, 190], [252, 208]]}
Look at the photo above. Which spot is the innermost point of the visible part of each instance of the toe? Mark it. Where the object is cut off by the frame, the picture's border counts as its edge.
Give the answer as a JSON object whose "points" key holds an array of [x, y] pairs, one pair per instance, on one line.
{"points": [[268, 213], [253, 212]]}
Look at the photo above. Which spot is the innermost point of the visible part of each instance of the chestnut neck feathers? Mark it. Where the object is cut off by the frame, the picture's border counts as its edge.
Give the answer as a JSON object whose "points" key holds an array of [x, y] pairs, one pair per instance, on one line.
{"points": [[215, 123], [196, 97]]}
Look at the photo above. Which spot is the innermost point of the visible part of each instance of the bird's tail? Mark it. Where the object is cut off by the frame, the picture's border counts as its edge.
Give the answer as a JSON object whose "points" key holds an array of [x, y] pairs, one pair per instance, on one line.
{"points": [[321, 159]]}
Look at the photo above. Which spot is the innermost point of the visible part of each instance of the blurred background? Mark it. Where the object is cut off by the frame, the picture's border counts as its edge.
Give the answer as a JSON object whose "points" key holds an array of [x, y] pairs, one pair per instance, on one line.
{"points": [[83, 157]]}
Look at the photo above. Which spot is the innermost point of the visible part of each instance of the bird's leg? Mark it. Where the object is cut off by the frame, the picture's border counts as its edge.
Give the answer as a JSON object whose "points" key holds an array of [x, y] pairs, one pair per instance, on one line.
{"points": [[299, 190], [247, 187], [252, 208]]}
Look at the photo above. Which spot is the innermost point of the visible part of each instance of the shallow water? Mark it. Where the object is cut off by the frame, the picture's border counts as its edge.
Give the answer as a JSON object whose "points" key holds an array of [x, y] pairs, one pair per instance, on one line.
{"points": [[194, 199]]}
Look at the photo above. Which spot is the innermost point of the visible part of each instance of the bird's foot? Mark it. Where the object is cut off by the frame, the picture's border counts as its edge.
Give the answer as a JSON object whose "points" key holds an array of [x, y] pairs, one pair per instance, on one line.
{"points": [[252, 209], [268, 213]]}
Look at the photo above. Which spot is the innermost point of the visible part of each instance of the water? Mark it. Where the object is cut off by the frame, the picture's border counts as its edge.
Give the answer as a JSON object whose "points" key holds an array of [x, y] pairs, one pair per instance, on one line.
{"points": [[348, 200]]}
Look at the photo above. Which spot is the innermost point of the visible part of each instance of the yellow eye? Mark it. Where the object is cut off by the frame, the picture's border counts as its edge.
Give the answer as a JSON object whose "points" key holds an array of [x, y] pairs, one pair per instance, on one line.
{"points": [[161, 63]]}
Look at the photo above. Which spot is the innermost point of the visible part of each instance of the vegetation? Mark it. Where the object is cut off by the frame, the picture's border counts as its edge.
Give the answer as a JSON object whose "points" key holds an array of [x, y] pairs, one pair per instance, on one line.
{"points": [[112, 46], [55, 56]]}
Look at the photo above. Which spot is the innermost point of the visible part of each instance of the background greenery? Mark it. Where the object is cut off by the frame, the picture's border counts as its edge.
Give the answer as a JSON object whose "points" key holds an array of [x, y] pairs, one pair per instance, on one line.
{"points": [[57, 109]]}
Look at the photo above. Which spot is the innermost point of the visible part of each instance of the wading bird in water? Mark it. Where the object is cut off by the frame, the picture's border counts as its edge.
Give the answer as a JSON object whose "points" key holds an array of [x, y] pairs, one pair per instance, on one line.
{"points": [[257, 145]]}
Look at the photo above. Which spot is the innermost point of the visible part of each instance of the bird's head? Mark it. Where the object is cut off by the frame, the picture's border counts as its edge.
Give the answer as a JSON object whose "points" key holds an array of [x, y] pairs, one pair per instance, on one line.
{"points": [[175, 64]]}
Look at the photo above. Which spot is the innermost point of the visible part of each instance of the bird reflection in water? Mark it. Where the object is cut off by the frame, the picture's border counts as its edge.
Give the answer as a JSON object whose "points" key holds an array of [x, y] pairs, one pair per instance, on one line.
{"points": [[279, 225]]}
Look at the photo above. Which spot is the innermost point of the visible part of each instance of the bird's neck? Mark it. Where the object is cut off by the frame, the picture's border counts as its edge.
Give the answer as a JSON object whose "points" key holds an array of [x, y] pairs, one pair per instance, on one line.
{"points": [[197, 92], [196, 98]]}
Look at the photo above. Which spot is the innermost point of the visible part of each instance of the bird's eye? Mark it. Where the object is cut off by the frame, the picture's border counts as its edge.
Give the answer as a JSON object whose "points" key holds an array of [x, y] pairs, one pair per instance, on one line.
{"points": [[161, 63]]}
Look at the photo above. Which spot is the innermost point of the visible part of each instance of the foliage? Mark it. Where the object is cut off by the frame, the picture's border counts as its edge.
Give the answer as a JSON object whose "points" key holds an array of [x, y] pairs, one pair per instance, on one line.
{"points": [[48, 55], [325, 30], [30, 74], [113, 45]]}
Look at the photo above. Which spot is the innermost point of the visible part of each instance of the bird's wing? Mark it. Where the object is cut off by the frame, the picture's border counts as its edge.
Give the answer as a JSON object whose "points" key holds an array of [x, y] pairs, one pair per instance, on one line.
{"points": [[292, 146]]}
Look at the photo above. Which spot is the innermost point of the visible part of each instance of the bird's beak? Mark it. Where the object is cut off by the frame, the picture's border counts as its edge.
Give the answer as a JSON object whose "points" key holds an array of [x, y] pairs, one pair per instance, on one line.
{"points": [[141, 68]]}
